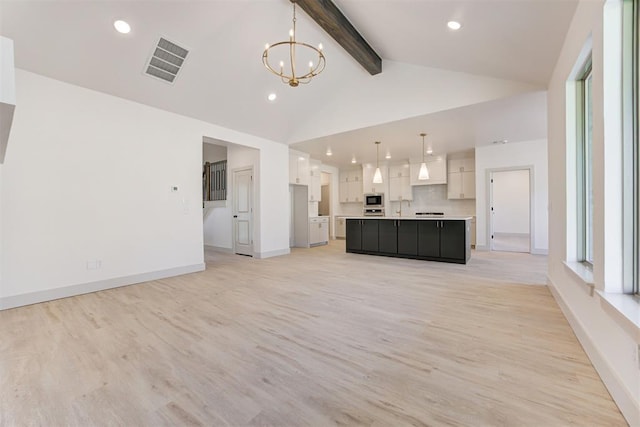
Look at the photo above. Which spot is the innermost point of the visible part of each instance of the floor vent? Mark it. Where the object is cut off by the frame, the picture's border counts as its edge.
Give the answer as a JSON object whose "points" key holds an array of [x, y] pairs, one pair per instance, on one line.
{"points": [[166, 60]]}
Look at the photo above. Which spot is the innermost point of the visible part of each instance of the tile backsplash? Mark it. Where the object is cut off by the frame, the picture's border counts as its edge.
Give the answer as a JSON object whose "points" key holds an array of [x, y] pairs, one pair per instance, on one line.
{"points": [[433, 198]]}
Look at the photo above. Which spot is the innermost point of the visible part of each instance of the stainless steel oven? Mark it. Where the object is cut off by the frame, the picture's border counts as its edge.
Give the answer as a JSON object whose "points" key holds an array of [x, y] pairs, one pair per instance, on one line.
{"points": [[373, 212]]}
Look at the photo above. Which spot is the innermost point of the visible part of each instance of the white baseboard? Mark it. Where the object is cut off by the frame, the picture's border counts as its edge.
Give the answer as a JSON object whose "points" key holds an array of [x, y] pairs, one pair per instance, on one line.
{"points": [[269, 254], [539, 251], [627, 403], [485, 248], [219, 249], [100, 285], [511, 234]]}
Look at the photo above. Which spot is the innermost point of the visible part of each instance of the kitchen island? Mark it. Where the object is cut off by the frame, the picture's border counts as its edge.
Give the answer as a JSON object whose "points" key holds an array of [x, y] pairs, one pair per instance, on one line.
{"points": [[444, 238]]}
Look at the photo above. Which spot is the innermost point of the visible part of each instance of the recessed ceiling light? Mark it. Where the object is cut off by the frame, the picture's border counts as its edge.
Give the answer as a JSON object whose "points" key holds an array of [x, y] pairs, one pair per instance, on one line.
{"points": [[122, 27], [500, 141], [454, 25], [272, 97], [353, 160], [429, 151], [329, 152], [388, 156]]}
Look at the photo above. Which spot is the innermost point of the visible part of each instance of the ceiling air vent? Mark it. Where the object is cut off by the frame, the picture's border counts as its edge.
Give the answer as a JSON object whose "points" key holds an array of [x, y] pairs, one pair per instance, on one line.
{"points": [[166, 60]]}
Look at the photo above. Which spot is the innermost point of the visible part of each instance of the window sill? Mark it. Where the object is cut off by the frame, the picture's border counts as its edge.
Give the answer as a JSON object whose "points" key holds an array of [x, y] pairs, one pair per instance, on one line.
{"points": [[625, 309], [582, 273]]}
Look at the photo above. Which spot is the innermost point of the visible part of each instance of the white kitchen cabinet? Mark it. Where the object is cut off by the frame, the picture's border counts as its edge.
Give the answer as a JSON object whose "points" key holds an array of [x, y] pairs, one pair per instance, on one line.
{"points": [[462, 165], [318, 230], [350, 190], [315, 172], [341, 227], [437, 166], [462, 179], [367, 179], [400, 183], [298, 168]]}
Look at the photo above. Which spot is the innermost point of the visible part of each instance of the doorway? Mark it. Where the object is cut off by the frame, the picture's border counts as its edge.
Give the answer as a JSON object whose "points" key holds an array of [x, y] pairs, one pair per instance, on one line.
{"points": [[324, 205], [299, 224], [510, 210], [243, 211]]}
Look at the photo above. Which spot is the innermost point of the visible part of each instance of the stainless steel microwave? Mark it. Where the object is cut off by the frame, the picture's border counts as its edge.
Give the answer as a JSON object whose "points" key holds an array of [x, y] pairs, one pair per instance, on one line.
{"points": [[373, 200]]}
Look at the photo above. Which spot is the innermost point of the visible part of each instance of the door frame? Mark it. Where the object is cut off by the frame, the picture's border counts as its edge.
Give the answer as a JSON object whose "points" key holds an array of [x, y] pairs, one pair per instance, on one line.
{"points": [[233, 208], [331, 225], [489, 222]]}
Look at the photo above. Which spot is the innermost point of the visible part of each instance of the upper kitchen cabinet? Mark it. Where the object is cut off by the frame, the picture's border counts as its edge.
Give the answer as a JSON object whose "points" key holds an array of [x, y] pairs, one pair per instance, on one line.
{"points": [[299, 168], [437, 166], [315, 172], [462, 178], [400, 183], [351, 186], [367, 179]]}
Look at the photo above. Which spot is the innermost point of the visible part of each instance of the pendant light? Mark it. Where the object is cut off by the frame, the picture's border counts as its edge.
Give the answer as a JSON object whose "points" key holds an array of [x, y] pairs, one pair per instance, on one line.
{"points": [[377, 176], [424, 172]]}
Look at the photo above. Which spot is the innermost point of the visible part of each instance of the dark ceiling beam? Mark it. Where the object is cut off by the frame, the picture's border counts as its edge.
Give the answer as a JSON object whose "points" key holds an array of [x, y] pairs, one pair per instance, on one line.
{"points": [[329, 17]]}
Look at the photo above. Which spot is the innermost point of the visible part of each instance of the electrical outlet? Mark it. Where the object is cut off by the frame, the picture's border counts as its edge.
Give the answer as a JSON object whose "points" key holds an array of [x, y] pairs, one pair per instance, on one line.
{"points": [[94, 264]]}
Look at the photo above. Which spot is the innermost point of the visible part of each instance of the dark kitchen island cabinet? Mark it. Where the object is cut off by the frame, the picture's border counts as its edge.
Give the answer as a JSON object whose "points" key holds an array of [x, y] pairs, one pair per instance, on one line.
{"points": [[364, 235], [432, 239]]}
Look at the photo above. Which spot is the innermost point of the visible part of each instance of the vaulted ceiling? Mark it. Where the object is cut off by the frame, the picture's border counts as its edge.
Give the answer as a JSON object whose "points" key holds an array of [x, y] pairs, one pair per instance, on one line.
{"points": [[504, 49]]}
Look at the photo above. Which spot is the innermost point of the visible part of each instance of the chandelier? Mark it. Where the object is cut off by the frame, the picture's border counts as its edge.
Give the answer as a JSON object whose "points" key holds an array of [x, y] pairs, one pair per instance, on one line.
{"points": [[290, 73]]}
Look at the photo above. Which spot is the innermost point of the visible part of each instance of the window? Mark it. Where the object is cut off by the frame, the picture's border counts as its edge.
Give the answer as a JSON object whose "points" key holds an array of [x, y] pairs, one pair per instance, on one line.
{"points": [[631, 144], [585, 166], [634, 44]]}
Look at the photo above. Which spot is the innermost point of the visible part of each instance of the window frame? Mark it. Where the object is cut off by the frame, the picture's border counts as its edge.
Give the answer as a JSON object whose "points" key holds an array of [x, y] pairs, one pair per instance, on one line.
{"points": [[584, 164], [635, 107], [631, 145]]}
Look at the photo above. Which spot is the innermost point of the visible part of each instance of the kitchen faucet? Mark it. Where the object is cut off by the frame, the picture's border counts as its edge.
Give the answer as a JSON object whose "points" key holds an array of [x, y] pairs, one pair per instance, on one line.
{"points": [[400, 211]]}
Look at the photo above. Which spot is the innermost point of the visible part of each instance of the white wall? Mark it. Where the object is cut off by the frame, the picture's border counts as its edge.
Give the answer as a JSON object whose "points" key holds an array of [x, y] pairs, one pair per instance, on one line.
{"points": [[213, 153], [87, 182], [401, 91], [511, 201], [514, 155], [7, 92], [608, 338], [216, 216], [273, 193]]}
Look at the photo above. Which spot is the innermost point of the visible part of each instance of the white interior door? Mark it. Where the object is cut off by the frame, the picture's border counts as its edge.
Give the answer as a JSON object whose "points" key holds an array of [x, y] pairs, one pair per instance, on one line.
{"points": [[510, 211], [243, 211]]}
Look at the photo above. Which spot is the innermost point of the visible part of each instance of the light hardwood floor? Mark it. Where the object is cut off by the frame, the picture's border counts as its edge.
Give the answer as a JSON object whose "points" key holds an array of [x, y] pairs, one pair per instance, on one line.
{"points": [[316, 338]]}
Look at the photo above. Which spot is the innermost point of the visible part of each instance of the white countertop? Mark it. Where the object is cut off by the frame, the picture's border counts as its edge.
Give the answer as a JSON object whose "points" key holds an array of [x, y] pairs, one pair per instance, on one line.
{"points": [[419, 218]]}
